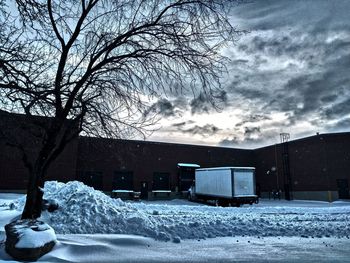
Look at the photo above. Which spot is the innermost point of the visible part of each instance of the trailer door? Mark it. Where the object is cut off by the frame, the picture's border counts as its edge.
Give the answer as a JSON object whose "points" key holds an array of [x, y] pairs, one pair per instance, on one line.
{"points": [[244, 183]]}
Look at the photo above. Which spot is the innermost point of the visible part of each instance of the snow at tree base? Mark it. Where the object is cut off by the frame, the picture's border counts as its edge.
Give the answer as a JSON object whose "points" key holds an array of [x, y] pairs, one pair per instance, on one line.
{"points": [[83, 210], [35, 236]]}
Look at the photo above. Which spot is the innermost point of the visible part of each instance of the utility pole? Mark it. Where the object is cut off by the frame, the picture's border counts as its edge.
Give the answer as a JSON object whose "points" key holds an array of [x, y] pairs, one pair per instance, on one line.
{"points": [[276, 169], [285, 164]]}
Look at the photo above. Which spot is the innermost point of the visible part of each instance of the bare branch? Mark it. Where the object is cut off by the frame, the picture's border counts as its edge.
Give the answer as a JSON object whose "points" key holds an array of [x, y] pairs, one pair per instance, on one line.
{"points": [[91, 67]]}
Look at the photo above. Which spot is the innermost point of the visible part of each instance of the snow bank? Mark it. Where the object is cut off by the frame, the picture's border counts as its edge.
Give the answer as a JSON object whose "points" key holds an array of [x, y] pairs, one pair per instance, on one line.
{"points": [[83, 210]]}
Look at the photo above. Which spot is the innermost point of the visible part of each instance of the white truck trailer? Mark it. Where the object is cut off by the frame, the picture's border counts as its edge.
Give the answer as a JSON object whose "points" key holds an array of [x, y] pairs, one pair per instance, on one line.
{"points": [[224, 185]]}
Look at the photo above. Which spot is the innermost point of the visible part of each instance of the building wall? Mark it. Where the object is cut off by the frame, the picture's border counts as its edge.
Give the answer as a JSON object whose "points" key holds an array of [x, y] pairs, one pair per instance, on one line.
{"points": [[319, 165], [14, 128], [14, 175], [145, 158], [316, 163]]}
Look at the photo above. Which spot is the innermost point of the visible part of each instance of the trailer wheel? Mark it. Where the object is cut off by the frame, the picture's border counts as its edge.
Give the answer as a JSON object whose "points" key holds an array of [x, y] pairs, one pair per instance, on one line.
{"points": [[223, 203], [257, 201]]}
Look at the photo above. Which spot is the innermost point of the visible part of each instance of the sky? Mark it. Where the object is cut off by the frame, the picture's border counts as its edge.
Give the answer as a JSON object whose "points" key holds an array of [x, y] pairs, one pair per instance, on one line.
{"points": [[290, 74]]}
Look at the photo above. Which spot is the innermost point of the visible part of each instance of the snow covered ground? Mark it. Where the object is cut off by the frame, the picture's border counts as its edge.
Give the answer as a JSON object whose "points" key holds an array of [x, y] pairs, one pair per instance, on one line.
{"points": [[125, 248], [92, 227]]}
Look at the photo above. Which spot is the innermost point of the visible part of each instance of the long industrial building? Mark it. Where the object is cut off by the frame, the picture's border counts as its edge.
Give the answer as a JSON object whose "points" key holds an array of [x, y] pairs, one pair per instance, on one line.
{"points": [[316, 167]]}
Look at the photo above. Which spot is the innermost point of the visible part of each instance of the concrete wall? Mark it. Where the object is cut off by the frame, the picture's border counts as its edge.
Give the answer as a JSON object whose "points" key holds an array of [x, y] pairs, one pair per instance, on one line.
{"points": [[328, 196]]}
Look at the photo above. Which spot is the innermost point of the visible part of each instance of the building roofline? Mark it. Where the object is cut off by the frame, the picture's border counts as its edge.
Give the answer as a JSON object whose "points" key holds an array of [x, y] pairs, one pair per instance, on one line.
{"points": [[4, 112], [214, 147], [331, 134], [163, 143]]}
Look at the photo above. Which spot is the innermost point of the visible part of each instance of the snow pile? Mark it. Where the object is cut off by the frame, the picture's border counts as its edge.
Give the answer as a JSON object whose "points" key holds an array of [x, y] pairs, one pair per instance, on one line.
{"points": [[83, 210]]}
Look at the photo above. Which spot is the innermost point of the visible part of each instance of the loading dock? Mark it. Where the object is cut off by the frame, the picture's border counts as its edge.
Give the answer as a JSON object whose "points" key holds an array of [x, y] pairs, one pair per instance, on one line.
{"points": [[186, 175]]}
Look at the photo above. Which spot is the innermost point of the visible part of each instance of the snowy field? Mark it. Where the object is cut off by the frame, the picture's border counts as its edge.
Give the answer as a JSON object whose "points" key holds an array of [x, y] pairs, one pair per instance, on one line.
{"points": [[92, 227]]}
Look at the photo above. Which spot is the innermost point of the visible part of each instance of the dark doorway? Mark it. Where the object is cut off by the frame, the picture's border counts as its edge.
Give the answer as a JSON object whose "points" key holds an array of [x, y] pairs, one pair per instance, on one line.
{"points": [[343, 188], [257, 190], [144, 190], [186, 178], [93, 179], [123, 180], [161, 181], [287, 192]]}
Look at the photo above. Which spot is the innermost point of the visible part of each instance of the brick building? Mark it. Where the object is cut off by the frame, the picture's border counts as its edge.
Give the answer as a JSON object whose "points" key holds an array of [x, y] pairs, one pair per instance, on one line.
{"points": [[316, 167]]}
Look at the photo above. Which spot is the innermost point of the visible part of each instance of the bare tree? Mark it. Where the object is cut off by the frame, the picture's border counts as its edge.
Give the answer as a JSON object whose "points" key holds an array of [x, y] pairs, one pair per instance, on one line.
{"points": [[90, 66]]}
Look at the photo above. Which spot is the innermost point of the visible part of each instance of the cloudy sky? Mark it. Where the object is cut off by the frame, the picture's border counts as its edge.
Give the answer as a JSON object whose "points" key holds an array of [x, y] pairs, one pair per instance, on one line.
{"points": [[290, 74]]}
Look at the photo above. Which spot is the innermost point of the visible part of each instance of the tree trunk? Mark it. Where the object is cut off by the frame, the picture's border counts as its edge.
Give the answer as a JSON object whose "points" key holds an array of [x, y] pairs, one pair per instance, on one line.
{"points": [[32, 208], [51, 148]]}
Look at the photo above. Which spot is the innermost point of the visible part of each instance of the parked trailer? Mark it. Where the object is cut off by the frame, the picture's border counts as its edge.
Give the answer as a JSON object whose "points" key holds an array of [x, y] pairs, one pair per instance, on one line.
{"points": [[224, 185]]}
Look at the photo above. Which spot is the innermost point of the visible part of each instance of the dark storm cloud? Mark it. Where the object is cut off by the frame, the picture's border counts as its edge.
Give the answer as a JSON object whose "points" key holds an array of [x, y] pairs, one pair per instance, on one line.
{"points": [[253, 137], [251, 131], [319, 15], [290, 73], [342, 125], [295, 61], [306, 93], [206, 103], [205, 130], [163, 107], [239, 61], [276, 46], [238, 142], [318, 92], [167, 108], [338, 110], [189, 127], [293, 44], [252, 119], [201, 104], [179, 124], [221, 96], [253, 94], [329, 98], [229, 142]]}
